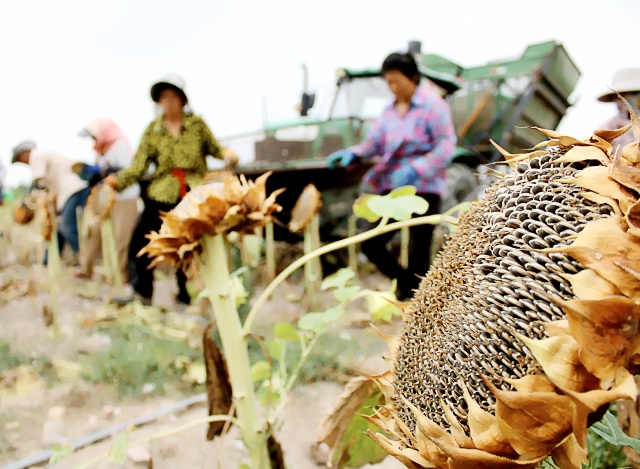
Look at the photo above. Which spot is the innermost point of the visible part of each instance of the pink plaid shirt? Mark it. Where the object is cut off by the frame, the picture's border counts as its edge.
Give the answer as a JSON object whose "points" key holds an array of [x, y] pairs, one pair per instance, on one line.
{"points": [[415, 148]]}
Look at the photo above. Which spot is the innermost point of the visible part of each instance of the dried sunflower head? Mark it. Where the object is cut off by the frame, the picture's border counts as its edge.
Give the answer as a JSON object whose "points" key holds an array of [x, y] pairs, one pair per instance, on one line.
{"points": [[526, 326], [46, 203], [23, 214], [307, 206], [233, 205], [100, 202]]}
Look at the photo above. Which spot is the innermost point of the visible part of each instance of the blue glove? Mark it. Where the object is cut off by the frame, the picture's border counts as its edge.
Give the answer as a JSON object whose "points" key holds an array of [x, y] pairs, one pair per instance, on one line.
{"points": [[342, 158], [404, 176], [86, 171]]}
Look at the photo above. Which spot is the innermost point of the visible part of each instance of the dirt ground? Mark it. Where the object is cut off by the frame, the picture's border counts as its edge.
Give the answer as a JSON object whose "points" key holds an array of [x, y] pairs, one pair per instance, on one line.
{"points": [[30, 417]]}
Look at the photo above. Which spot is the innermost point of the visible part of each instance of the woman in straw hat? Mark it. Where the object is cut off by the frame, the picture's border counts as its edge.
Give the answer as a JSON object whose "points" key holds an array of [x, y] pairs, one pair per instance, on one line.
{"points": [[113, 152], [177, 142], [626, 82]]}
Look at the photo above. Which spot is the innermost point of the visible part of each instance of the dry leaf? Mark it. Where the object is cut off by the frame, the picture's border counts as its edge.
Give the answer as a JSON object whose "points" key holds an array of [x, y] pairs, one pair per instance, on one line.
{"points": [[596, 179], [562, 140], [618, 262], [584, 154], [633, 219], [485, 430], [533, 423], [606, 331], [554, 329], [532, 383], [395, 450], [601, 200], [462, 458], [570, 455], [512, 159], [276, 457], [333, 426], [611, 135], [635, 121], [457, 431], [559, 358], [219, 392], [625, 174], [586, 403], [426, 432], [587, 285]]}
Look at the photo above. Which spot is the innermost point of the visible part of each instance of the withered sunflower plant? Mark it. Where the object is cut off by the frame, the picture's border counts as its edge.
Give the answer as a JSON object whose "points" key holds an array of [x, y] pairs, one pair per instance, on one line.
{"points": [[526, 327], [193, 234]]}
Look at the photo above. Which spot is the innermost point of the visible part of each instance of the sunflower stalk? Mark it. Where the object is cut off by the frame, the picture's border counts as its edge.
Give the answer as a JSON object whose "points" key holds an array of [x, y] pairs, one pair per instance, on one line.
{"points": [[53, 271], [404, 247], [82, 230], [312, 269], [110, 255], [352, 250], [270, 252], [218, 284]]}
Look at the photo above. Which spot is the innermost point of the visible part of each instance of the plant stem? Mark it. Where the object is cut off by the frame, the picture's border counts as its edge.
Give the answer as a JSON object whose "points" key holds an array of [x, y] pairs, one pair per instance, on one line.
{"points": [[110, 254], [82, 231], [270, 252], [343, 243], [53, 269], [312, 269], [218, 283], [315, 244], [293, 378], [352, 249], [404, 247]]}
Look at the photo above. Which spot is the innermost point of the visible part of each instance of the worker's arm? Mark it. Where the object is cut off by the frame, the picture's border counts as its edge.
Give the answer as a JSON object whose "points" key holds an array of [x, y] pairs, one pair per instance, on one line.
{"points": [[373, 145], [140, 164], [38, 164], [440, 126], [210, 143]]}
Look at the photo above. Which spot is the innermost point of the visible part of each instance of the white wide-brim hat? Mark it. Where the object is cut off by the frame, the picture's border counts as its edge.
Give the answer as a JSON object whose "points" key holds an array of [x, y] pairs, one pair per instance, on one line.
{"points": [[169, 81], [624, 81]]}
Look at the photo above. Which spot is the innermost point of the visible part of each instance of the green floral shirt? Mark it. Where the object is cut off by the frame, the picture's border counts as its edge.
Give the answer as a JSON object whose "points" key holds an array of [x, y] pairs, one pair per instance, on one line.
{"points": [[187, 151]]}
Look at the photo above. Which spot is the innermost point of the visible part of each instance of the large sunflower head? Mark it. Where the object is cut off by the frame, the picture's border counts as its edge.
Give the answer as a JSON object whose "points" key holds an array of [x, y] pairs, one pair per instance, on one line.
{"points": [[527, 325], [235, 204]]}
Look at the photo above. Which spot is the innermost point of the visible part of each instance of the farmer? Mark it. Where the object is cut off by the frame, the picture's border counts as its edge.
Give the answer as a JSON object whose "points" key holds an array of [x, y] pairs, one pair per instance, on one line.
{"points": [[52, 171], [113, 153], [415, 140], [626, 82], [177, 142]]}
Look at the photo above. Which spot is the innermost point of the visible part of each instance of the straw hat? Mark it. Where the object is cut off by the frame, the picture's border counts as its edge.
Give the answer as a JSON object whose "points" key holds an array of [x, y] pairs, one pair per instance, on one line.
{"points": [[624, 81], [169, 81]]}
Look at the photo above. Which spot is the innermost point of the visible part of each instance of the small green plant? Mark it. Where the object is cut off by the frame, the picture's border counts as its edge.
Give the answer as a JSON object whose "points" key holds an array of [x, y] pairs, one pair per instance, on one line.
{"points": [[138, 357], [10, 359]]}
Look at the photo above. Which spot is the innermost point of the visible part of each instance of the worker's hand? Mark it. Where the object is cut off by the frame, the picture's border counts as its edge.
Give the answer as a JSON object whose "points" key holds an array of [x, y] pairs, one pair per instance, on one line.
{"points": [[404, 176], [342, 158], [87, 172], [110, 180], [230, 157]]}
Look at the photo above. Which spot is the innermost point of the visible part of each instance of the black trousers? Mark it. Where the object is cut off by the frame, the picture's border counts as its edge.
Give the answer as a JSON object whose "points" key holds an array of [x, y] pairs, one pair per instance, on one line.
{"points": [[140, 275], [380, 254]]}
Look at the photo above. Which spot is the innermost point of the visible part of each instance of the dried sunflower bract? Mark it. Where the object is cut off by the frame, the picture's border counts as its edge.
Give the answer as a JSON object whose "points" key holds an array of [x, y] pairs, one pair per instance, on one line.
{"points": [[232, 205], [527, 325]]}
